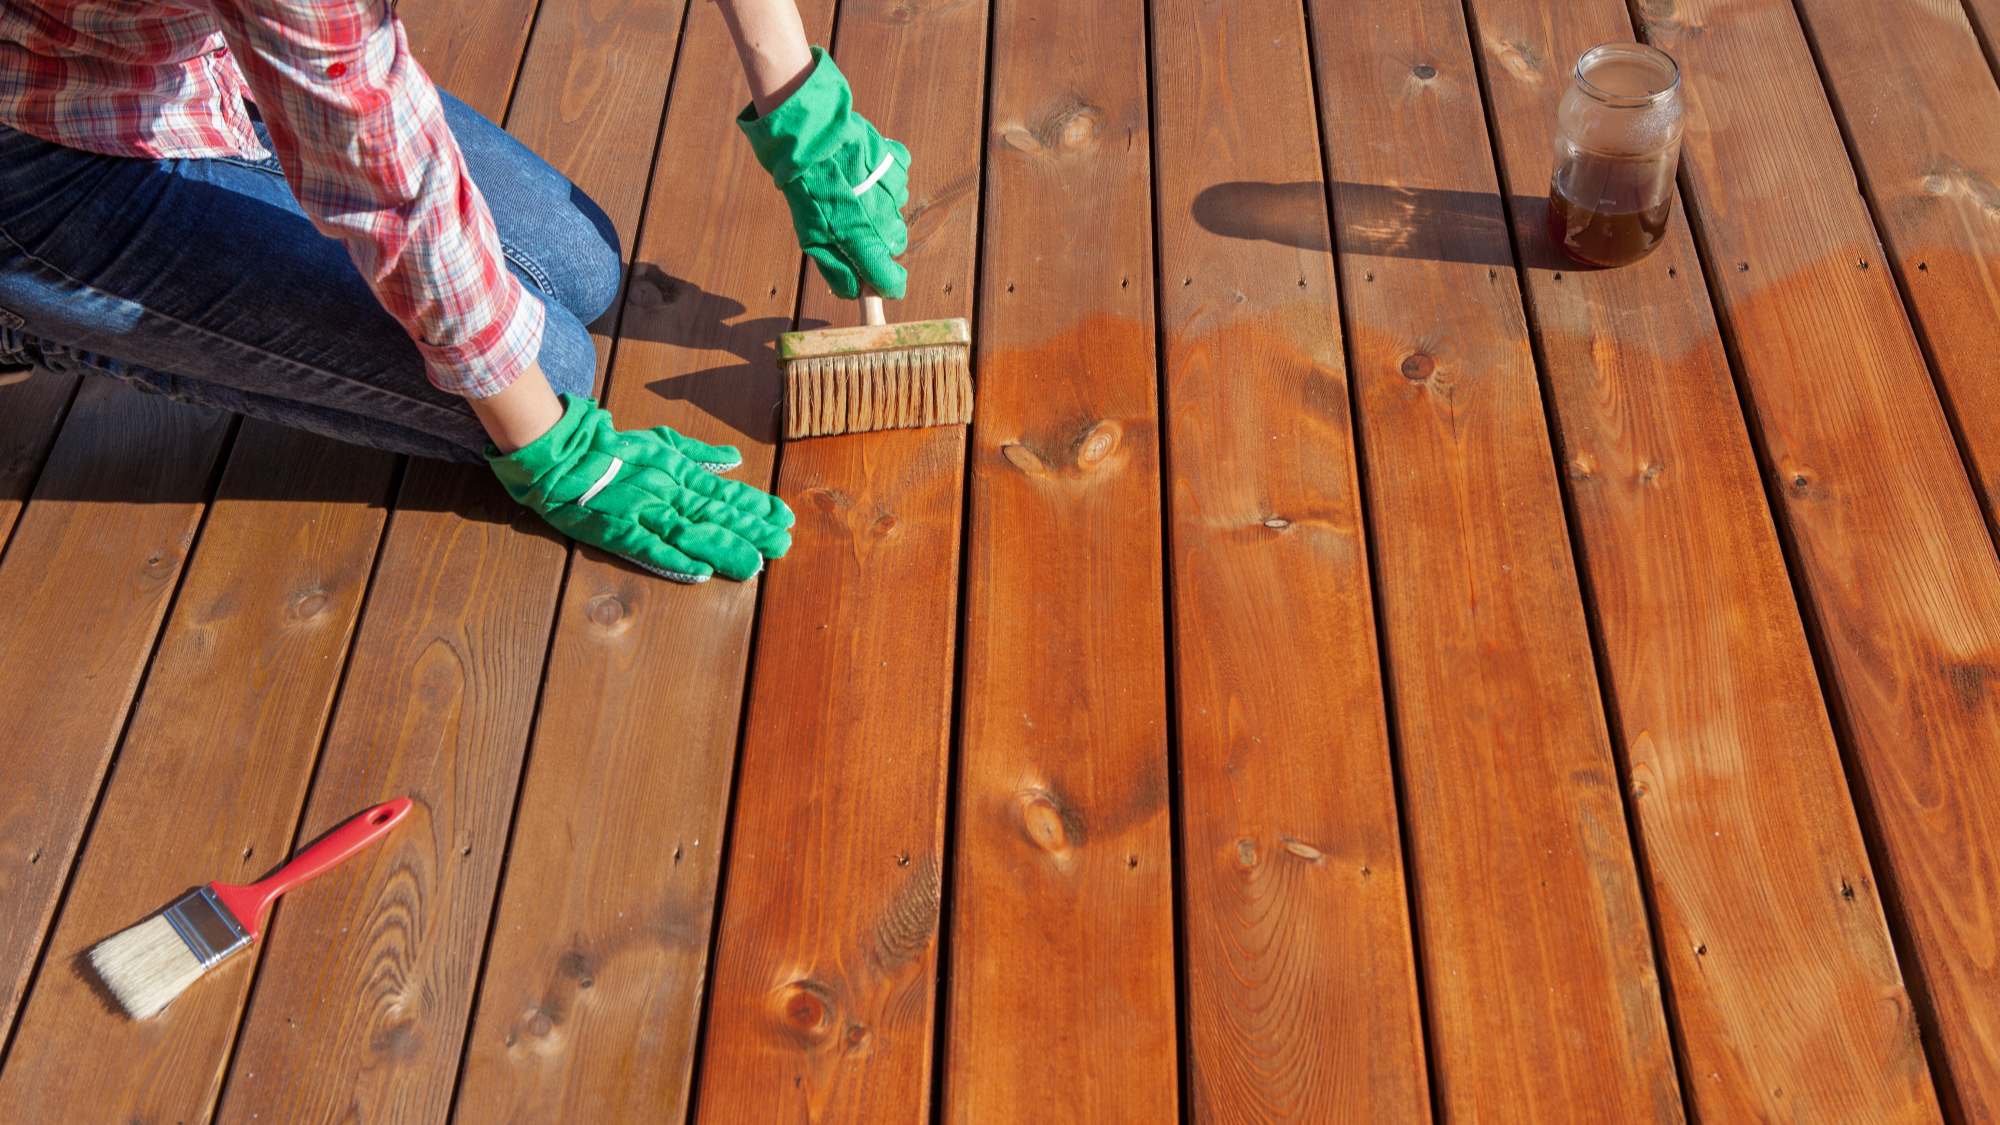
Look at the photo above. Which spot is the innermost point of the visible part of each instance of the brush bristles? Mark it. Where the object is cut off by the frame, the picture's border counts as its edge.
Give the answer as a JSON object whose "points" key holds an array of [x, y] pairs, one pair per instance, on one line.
{"points": [[146, 966], [891, 390]]}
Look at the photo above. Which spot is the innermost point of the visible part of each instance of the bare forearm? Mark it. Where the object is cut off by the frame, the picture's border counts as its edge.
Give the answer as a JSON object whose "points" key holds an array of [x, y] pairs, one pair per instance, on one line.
{"points": [[771, 41], [521, 413]]}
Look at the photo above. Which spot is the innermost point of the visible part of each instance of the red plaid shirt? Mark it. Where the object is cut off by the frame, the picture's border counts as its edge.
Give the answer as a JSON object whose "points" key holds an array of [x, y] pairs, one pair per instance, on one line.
{"points": [[355, 122]]}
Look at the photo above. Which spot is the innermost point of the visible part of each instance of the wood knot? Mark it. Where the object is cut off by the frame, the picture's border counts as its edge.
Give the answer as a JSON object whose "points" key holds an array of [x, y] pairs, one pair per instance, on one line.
{"points": [[1304, 850], [857, 1038], [1418, 367], [807, 1007], [829, 500], [577, 966], [161, 564], [1277, 523], [606, 611], [1246, 852], [309, 604], [1024, 459], [1650, 471], [1049, 822], [1583, 467], [1097, 444], [1425, 71], [883, 526]]}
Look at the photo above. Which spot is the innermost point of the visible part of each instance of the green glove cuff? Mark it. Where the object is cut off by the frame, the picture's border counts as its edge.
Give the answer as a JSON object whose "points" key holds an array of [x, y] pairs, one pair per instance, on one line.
{"points": [[808, 127], [525, 473]]}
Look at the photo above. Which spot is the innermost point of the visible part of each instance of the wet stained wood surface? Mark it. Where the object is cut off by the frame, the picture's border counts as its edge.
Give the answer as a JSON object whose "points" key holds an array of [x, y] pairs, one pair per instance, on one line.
{"points": [[1357, 665]]}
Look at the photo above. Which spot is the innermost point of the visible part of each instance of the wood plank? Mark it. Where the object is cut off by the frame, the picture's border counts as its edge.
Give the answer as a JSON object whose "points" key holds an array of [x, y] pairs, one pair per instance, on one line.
{"points": [[93, 562], [1887, 541], [30, 414], [367, 983], [593, 986], [1922, 116], [211, 777], [826, 968], [1061, 1002], [473, 48], [1763, 890], [1540, 989], [1301, 976]]}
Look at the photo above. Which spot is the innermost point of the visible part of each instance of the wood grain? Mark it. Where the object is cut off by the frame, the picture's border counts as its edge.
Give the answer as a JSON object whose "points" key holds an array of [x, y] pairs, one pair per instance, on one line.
{"points": [[362, 1002], [825, 972], [1901, 581], [92, 564], [472, 48], [593, 986], [1302, 994], [1061, 1002], [1785, 987], [1922, 116], [1540, 989], [210, 779], [30, 413]]}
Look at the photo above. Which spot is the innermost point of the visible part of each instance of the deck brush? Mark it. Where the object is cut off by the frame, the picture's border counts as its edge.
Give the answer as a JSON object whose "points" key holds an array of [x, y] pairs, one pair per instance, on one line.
{"points": [[148, 965], [877, 376]]}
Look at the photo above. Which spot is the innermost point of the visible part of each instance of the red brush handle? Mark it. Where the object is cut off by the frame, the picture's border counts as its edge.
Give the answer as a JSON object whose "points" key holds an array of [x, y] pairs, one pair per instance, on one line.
{"points": [[251, 903]]}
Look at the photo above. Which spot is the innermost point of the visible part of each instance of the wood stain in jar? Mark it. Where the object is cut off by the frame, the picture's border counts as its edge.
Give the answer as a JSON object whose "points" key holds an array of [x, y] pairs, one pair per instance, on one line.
{"points": [[1617, 147]]}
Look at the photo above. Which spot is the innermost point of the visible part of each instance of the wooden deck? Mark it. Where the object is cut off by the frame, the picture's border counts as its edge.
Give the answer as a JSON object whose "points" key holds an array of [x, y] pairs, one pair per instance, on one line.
{"points": [[1356, 667]]}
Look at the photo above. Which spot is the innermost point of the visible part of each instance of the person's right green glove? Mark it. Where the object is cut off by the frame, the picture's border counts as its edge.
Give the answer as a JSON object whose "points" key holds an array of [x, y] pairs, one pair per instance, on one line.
{"points": [[648, 496], [845, 182]]}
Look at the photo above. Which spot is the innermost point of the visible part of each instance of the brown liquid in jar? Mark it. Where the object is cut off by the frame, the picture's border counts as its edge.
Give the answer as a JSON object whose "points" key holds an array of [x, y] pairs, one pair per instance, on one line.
{"points": [[1607, 227]]}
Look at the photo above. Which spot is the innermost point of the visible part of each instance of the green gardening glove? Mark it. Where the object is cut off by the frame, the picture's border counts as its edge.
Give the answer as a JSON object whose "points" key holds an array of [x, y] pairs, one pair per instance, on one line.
{"points": [[649, 496], [846, 183]]}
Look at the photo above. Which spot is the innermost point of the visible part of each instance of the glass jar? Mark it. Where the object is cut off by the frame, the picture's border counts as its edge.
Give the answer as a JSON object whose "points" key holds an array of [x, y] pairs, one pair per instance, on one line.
{"points": [[1618, 142]]}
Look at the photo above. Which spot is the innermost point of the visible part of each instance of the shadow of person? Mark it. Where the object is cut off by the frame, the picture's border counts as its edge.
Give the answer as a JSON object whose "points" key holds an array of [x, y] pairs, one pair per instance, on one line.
{"points": [[744, 395], [1427, 224]]}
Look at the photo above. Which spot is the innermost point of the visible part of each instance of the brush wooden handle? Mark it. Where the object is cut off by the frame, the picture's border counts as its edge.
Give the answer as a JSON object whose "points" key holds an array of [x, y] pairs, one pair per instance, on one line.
{"points": [[250, 903], [871, 308]]}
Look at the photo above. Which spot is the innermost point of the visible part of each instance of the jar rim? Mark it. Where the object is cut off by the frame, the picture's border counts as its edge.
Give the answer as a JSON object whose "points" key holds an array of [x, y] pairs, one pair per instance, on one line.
{"points": [[1644, 51]]}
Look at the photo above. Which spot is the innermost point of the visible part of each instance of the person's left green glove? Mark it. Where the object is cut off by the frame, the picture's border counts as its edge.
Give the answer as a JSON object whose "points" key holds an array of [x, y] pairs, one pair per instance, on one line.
{"points": [[649, 496], [845, 182]]}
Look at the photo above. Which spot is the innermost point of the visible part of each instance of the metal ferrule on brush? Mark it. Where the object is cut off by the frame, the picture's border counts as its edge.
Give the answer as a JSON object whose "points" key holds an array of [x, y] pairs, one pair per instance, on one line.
{"points": [[209, 929]]}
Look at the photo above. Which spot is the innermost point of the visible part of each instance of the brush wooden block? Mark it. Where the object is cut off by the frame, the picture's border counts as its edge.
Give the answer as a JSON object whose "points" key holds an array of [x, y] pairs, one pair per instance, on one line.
{"points": [[877, 377]]}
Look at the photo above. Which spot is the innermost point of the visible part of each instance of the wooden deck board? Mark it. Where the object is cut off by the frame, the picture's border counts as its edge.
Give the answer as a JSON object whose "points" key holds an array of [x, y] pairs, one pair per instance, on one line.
{"points": [[1301, 976], [1061, 998], [1539, 979], [1922, 116], [1888, 545], [618, 845], [540, 951], [1725, 739], [823, 997]]}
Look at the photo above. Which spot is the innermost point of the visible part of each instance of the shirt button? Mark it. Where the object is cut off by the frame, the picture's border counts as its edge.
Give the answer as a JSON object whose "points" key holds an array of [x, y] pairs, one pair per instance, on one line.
{"points": [[219, 52], [336, 70]]}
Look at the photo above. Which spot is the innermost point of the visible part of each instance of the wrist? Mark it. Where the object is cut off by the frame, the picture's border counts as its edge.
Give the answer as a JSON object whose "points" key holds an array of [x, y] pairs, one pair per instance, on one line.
{"points": [[771, 43], [524, 411]]}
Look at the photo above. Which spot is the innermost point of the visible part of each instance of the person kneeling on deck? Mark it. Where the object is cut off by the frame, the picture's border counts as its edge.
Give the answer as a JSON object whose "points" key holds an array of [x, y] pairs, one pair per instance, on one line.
{"points": [[158, 227]]}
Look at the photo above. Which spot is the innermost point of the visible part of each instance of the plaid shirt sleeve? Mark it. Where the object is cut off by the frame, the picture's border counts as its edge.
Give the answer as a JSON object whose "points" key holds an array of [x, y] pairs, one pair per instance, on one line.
{"points": [[362, 137]]}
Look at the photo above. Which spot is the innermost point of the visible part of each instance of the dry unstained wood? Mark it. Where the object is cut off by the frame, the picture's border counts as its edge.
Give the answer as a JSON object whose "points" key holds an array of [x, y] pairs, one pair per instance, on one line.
{"points": [[1888, 544], [1765, 896], [1541, 995], [211, 777], [825, 973], [87, 576], [1062, 964], [1922, 114], [367, 984], [593, 986], [1302, 995]]}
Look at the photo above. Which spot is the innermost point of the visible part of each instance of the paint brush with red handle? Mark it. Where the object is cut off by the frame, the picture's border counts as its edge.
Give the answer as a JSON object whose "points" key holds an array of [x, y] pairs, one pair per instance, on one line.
{"points": [[148, 965]]}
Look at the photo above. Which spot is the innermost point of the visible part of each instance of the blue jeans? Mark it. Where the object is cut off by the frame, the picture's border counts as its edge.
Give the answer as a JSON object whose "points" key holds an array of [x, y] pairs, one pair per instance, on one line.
{"points": [[203, 280]]}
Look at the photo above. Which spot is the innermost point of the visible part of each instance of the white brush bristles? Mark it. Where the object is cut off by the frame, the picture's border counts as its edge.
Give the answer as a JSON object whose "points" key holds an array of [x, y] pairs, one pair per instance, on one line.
{"points": [[856, 392], [146, 966]]}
